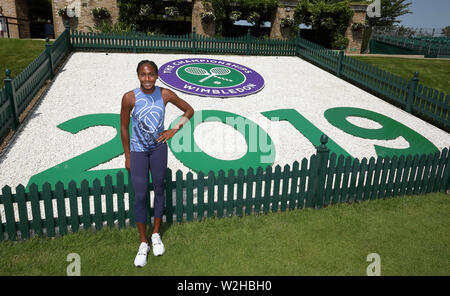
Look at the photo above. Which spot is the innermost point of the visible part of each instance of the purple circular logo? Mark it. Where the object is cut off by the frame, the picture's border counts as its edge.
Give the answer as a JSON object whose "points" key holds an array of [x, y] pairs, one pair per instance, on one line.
{"points": [[211, 77]]}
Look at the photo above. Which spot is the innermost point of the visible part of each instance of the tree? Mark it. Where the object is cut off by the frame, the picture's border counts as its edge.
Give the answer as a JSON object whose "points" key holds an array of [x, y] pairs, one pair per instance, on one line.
{"points": [[146, 15], [254, 11], [446, 31], [329, 20], [390, 11]]}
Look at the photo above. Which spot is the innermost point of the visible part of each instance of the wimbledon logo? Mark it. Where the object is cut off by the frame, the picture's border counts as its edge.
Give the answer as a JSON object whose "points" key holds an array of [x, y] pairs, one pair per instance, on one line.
{"points": [[211, 77]]}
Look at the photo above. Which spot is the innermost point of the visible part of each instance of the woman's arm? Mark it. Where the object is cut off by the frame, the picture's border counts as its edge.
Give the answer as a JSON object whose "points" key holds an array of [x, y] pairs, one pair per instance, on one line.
{"points": [[171, 97], [125, 112]]}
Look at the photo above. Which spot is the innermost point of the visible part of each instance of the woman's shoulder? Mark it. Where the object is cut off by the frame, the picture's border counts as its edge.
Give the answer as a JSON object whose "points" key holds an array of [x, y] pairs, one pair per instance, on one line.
{"points": [[129, 94], [129, 97], [165, 91], [168, 95], [130, 91]]}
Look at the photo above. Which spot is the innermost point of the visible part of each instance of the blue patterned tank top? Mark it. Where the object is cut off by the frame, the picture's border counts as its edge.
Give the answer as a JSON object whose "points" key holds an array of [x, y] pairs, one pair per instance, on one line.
{"points": [[147, 119]]}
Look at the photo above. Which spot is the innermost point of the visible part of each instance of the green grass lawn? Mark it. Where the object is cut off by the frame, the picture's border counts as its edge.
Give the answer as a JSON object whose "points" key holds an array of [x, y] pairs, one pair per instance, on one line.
{"points": [[17, 54], [410, 234], [432, 73]]}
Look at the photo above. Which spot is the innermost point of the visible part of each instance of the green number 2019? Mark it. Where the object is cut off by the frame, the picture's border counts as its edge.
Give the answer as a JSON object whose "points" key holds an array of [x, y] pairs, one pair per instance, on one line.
{"points": [[78, 168]]}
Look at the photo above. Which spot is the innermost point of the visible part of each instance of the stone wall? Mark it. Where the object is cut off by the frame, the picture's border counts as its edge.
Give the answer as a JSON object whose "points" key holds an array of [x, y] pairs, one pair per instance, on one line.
{"points": [[16, 9], [22, 13], [9, 9], [284, 9], [356, 37], [83, 9], [205, 29]]}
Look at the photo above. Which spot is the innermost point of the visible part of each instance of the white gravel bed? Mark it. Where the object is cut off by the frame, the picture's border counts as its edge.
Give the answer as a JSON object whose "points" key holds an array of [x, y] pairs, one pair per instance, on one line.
{"points": [[95, 82]]}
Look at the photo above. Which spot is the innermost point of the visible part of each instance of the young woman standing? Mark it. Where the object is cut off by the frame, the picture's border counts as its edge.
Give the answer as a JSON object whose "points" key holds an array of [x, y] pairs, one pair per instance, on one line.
{"points": [[147, 149]]}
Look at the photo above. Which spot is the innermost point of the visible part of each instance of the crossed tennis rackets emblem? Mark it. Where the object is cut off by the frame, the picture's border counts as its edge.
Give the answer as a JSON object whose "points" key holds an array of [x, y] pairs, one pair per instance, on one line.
{"points": [[214, 72]]}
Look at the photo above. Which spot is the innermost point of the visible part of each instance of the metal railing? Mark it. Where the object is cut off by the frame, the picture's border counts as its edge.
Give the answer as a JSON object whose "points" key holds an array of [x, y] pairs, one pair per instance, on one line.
{"points": [[13, 21]]}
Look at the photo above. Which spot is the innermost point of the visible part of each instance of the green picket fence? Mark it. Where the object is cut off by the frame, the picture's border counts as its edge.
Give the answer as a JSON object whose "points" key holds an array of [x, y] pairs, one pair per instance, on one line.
{"points": [[386, 84], [17, 93], [326, 58], [128, 42], [430, 48], [28, 83], [140, 42], [59, 48], [315, 183], [6, 118], [433, 105], [415, 98]]}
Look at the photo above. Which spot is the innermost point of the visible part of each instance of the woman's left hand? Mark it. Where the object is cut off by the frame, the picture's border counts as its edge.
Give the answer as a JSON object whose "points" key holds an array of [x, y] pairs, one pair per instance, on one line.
{"points": [[166, 135]]}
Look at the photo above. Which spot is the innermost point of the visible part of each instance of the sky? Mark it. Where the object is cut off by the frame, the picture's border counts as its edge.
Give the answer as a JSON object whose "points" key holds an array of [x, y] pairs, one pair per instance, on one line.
{"points": [[427, 14]]}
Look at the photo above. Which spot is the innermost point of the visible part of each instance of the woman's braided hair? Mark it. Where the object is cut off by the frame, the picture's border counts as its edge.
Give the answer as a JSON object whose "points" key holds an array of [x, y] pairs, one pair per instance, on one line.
{"points": [[151, 63]]}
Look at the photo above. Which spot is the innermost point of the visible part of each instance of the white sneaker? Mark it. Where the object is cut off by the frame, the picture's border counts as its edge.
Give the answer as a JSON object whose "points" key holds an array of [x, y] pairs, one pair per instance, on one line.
{"points": [[158, 246], [141, 257]]}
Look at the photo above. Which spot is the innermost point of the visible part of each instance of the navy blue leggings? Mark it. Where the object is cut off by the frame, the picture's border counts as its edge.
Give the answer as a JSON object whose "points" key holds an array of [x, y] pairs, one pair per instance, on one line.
{"points": [[140, 164]]}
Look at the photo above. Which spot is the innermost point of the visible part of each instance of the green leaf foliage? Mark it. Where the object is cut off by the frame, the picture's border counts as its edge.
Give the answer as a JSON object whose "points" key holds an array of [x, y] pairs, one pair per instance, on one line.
{"points": [[140, 12], [446, 31], [329, 20], [108, 28], [224, 10], [390, 11]]}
